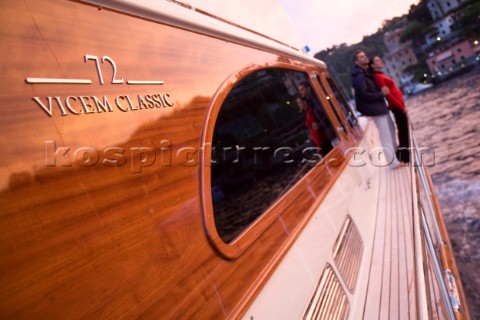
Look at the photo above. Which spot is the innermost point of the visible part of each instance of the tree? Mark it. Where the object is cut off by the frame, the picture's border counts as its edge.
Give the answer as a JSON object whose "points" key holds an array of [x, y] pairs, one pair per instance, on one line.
{"points": [[419, 24], [470, 19], [417, 31], [420, 12], [418, 71], [393, 24]]}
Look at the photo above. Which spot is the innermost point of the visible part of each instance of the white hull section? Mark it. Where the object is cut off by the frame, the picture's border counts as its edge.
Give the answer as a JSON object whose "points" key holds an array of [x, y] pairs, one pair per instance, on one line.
{"points": [[378, 201]]}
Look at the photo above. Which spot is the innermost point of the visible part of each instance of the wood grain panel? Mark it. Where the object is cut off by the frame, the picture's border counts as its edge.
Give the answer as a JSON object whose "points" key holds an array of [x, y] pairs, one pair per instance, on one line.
{"points": [[121, 235]]}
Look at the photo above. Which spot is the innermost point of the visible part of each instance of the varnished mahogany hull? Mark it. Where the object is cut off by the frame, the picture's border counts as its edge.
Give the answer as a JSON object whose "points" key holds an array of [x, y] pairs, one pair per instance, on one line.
{"points": [[101, 209]]}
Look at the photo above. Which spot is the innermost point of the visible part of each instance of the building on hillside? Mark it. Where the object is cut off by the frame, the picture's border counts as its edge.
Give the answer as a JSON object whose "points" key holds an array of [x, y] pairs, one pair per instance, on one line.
{"points": [[444, 29], [459, 55], [439, 8], [400, 56], [447, 50]]}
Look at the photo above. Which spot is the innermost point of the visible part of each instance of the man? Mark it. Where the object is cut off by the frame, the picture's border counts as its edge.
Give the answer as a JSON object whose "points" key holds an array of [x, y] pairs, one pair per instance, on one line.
{"points": [[370, 101]]}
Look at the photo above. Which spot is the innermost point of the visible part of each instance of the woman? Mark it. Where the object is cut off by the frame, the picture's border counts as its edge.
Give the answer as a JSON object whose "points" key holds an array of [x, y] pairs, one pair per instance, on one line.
{"points": [[316, 131], [396, 104]]}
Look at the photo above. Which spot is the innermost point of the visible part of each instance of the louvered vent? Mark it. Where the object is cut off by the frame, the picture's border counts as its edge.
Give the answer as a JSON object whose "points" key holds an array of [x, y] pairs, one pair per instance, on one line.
{"points": [[329, 300], [347, 253]]}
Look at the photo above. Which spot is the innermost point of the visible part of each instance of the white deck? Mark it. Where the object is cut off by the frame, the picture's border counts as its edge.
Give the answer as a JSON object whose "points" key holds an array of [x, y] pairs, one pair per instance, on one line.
{"points": [[379, 202], [390, 288]]}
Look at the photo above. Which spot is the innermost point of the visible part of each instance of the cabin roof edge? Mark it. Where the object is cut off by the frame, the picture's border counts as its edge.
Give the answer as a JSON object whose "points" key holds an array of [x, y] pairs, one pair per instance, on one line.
{"points": [[175, 14]]}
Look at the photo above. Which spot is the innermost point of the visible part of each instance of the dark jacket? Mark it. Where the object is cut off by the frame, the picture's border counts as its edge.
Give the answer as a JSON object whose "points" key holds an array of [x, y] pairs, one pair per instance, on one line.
{"points": [[369, 99]]}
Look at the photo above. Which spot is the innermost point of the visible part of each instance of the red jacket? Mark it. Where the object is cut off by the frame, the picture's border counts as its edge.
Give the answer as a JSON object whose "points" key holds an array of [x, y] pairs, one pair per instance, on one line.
{"points": [[395, 97], [317, 136]]}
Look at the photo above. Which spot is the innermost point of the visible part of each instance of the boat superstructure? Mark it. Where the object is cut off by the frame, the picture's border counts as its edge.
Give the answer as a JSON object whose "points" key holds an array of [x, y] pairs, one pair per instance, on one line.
{"points": [[155, 165]]}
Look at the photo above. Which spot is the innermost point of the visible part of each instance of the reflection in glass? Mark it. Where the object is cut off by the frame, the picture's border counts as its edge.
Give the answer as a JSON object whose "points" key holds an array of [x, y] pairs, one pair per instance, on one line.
{"points": [[344, 106], [260, 148]]}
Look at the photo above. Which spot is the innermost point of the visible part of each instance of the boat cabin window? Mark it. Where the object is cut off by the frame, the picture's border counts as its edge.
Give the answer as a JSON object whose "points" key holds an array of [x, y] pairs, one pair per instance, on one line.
{"points": [[262, 145], [344, 106]]}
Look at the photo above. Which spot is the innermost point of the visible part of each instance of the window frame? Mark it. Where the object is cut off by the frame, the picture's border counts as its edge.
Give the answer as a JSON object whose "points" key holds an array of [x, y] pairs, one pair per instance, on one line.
{"points": [[326, 86], [249, 235], [342, 126]]}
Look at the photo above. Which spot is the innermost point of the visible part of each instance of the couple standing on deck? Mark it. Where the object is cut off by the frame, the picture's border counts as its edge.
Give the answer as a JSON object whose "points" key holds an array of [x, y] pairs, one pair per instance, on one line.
{"points": [[371, 88]]}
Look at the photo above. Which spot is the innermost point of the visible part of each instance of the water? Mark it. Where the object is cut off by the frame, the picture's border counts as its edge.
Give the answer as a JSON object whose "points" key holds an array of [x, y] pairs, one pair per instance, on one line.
{"points": [[446, 119]]}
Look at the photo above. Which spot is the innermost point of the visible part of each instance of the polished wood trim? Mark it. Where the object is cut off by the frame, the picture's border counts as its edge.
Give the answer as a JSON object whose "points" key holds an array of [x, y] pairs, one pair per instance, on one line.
{"points": [[446, 251], [253, 292], [99, 241], [337, 115], [234, 249], [323, 78], [182, 16]]}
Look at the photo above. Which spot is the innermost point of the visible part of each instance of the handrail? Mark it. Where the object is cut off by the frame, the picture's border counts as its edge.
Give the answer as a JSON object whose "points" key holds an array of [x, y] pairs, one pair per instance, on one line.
{"points": [[421, 294], [424, 182], [436, 265], [422, 232]]}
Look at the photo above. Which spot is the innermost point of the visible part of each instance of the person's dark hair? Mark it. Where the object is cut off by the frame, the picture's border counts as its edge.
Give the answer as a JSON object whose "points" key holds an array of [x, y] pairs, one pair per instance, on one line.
{"points": [[304, 84], [370, 62], [355, 54]]}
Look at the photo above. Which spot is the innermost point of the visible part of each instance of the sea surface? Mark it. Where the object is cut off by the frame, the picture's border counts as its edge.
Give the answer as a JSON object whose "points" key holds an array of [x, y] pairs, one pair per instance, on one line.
{"points": [[446, 120]]}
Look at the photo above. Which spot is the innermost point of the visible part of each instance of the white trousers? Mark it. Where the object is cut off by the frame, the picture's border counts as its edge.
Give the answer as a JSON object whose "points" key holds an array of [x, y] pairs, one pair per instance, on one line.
{"points": [[386, 130]]}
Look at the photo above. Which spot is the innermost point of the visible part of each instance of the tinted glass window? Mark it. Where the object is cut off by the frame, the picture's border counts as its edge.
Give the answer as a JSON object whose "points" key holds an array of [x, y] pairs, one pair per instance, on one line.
{"points": [[332, 105], [352, 120], [261, 147]]}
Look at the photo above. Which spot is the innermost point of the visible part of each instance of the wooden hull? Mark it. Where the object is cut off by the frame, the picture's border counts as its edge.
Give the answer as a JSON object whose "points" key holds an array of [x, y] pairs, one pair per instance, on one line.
{"points": [[105, 195], [87, 239]]}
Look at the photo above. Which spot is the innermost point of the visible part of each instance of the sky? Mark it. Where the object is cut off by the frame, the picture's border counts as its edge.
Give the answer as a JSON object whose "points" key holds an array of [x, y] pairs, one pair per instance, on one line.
{"points": [[320, 24], [324, 23]]}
